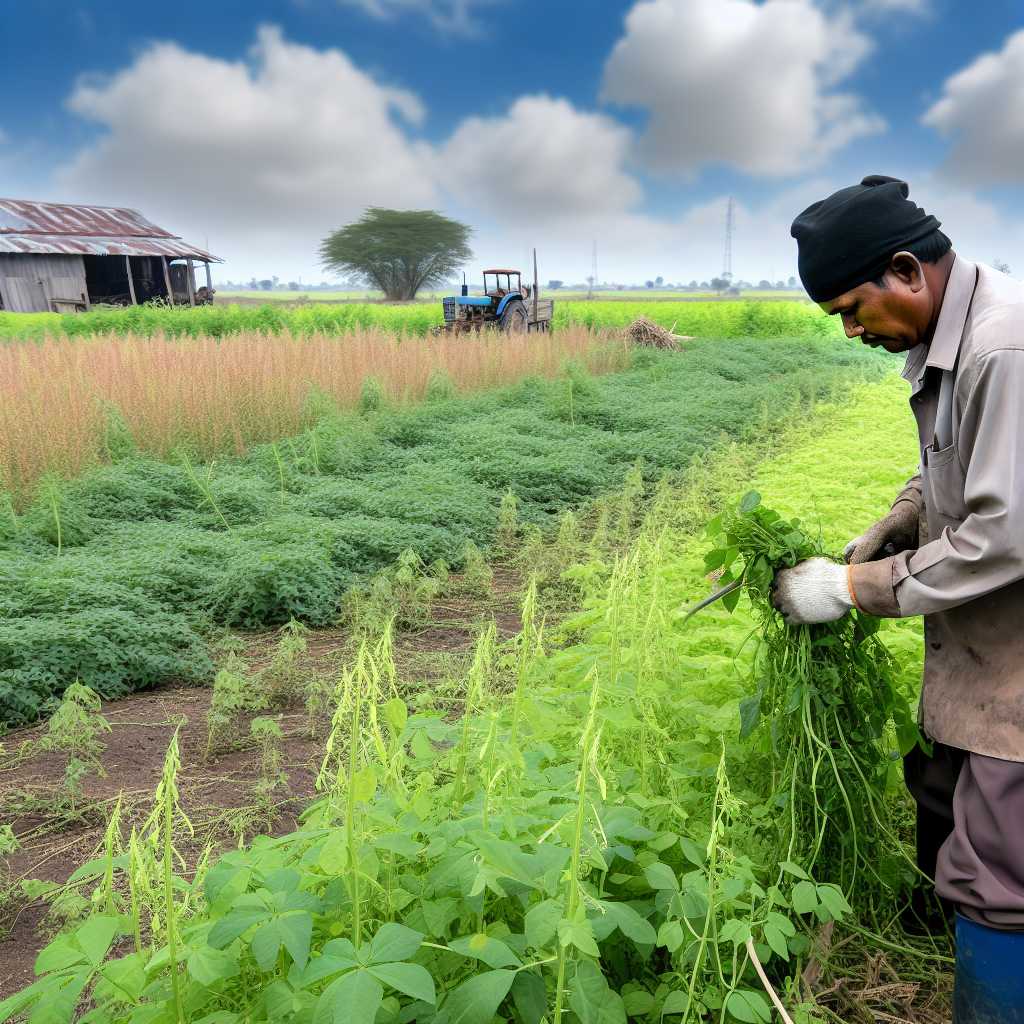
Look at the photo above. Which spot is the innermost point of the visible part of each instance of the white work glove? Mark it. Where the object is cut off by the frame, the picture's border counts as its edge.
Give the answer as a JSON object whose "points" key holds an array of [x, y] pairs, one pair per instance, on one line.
{"points": [[813, 591]]}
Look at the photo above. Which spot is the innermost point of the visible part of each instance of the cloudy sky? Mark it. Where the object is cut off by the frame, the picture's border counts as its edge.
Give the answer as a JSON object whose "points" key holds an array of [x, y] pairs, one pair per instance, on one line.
{"points": [[258, 127]]}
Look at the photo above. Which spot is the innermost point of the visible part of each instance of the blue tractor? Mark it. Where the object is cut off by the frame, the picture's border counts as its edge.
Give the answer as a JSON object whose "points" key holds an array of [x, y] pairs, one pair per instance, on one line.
{"points": [[506, 305]]}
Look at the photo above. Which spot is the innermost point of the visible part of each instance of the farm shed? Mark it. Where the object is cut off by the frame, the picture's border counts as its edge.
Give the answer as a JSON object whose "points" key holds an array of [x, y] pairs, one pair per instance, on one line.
{"points": [[61, 258]]}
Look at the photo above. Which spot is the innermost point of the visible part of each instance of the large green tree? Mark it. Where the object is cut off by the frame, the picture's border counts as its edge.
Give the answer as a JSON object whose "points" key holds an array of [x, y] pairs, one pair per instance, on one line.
{"points": [[398, 251]]}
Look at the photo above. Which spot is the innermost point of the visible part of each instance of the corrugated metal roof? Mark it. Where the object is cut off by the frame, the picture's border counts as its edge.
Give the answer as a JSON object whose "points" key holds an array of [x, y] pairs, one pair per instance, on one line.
{"points": [[34, 227], [89, 245]]}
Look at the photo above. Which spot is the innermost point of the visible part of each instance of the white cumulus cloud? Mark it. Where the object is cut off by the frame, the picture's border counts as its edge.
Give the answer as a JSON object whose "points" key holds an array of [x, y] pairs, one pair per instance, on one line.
{"points": [[735, 82], [544, 159], [981, 111], [455, 16], [262, 157]]}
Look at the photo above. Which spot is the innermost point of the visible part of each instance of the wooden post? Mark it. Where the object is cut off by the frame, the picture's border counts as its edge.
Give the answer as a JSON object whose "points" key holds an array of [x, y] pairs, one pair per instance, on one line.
{"points": [[167, 281], [190, 281], [131, 283], [209, 283]]}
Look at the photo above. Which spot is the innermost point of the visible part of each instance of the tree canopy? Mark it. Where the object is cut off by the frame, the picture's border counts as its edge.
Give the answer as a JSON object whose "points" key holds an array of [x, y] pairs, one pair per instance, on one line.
{"points": [[399, 251]]}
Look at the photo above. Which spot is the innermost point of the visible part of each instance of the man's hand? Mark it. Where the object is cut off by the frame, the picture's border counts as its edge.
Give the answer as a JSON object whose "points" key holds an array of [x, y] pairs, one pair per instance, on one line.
{"points": [[896, 532], [813, 591]]}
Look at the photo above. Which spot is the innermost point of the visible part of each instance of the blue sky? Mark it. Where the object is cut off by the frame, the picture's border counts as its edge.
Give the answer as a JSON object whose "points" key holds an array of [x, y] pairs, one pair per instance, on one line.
{"points": [[260, 126]]}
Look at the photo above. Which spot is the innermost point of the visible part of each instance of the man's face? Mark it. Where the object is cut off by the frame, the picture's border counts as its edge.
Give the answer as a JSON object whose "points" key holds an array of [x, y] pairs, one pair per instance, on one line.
{"points": [[894, 316]]}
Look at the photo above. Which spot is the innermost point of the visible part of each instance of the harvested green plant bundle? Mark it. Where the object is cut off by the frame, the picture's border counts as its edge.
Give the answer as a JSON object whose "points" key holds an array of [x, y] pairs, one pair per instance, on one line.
{"points": [[825, 709]]}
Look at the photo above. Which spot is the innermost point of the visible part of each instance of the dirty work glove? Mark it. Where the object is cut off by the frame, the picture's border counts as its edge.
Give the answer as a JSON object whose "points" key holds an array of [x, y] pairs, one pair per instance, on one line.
{"points": [[896, 532], [813, 591]]}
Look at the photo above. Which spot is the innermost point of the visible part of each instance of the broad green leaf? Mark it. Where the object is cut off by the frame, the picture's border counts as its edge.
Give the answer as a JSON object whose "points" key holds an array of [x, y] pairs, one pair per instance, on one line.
{"points": [[660, 876], [409, 979], [793, 869], [695, 854], [805, 897], [542, 923], [209, 966], [735, 931], [126, 976], [364, 784], [227, 929], [59, 955], [95, 936], [782, 922], [750, 714], [591, 999], [835, 901], [695, 904], [638, 1003], [748, 1006], [354, 998], [670, 935], [394, 942], [477, 1000], [61, 1002], [296, 931], [776, 940], [491, 951], [396, 842], [396, 714], [578, 934], [632, 924], [675, 1002], [265, 945], [530, 995], [749, 502]]}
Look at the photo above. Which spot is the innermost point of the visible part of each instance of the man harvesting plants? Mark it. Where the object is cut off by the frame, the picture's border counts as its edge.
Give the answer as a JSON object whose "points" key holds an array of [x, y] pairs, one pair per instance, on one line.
{"points": [[951, 549]]}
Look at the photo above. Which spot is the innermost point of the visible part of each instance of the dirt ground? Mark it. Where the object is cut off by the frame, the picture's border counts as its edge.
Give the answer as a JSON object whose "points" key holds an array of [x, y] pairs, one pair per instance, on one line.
{"points": [[218, 795]]}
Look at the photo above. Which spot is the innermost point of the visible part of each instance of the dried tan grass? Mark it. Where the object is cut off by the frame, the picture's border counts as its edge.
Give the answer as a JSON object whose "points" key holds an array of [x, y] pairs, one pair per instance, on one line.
{"points": [[219, 396]]}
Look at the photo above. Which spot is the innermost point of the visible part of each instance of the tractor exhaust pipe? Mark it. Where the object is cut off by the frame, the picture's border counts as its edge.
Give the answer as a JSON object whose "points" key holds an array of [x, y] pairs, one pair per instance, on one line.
{"points": [[465, 287]]}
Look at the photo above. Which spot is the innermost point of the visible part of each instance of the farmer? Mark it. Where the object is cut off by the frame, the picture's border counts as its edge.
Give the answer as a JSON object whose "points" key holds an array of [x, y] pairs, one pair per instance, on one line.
{"points": [[951, 548]]}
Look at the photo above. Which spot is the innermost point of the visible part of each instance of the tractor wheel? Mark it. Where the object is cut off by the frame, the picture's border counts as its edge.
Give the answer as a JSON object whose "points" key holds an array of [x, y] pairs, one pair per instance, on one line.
{"points": [[514, 319]]}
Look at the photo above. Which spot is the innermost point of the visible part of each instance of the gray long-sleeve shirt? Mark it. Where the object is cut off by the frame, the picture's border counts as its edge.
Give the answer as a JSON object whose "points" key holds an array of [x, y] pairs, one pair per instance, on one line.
{"points": [[967, 578]]}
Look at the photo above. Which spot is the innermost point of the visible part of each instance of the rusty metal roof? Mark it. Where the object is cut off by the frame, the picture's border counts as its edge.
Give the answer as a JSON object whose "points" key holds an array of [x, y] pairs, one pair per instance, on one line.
{"points": [[33, 227]]}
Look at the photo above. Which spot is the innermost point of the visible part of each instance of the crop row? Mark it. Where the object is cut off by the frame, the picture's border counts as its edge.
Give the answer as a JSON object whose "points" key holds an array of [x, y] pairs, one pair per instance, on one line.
{"points": [[589, 841], [721, 319], [116, 577]]}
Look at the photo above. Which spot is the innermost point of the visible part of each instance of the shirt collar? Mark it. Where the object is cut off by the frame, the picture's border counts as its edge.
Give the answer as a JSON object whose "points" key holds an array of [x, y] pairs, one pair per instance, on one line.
{"points": [[949, 331], [956, 302]]}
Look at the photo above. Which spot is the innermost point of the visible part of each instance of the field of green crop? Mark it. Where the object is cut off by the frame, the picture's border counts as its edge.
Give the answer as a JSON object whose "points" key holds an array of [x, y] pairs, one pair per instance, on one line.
{"points": [[114, 578], [710, 318], [572, 825]]}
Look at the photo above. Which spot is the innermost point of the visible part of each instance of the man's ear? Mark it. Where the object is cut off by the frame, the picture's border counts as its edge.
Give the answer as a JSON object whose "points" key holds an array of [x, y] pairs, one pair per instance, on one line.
{"points": [[906, 267]]}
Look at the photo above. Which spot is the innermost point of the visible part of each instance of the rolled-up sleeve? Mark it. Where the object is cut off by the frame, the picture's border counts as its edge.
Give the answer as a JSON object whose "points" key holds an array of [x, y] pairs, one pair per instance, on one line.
{"points": [[986, 551]]}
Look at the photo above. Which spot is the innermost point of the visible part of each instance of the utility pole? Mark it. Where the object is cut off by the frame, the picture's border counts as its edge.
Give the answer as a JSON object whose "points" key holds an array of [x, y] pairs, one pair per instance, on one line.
{"points": [[593, 272], [727, 256]]}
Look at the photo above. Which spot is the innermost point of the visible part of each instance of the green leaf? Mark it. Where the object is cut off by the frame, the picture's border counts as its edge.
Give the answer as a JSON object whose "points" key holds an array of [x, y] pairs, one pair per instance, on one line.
{"points": [[265, 945], [782, 923], [209, 966], [776, 940], [749, 1006], [805, 897], [227, 929], [396, 842], [661, 876], [835, 901], [95, 937], [295, 931], [530, 995], [638, 1003], [484, 947], [477, 1000], [354, 998], [578, 934], [735, 931], [750, 714], [794, 869], [394, 942], [749, 502], [695, 904], [542, 923], [632, 924], [732, 599], [675, 1002], [59, 955], [696, 855], [591, 999], [409, 979], [670, 935]]}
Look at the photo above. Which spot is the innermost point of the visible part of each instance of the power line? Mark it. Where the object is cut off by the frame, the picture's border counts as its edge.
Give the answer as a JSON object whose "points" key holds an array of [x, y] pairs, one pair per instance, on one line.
{"points": [[727, 256]]}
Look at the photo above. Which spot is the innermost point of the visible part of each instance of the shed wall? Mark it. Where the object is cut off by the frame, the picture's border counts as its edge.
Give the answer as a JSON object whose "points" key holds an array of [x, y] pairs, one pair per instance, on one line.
{"points": [[29, 282]]}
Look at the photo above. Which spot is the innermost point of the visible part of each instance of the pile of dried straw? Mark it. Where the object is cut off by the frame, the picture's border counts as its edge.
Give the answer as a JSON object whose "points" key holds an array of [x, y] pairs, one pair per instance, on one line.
{"points": [[646, 333]]}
